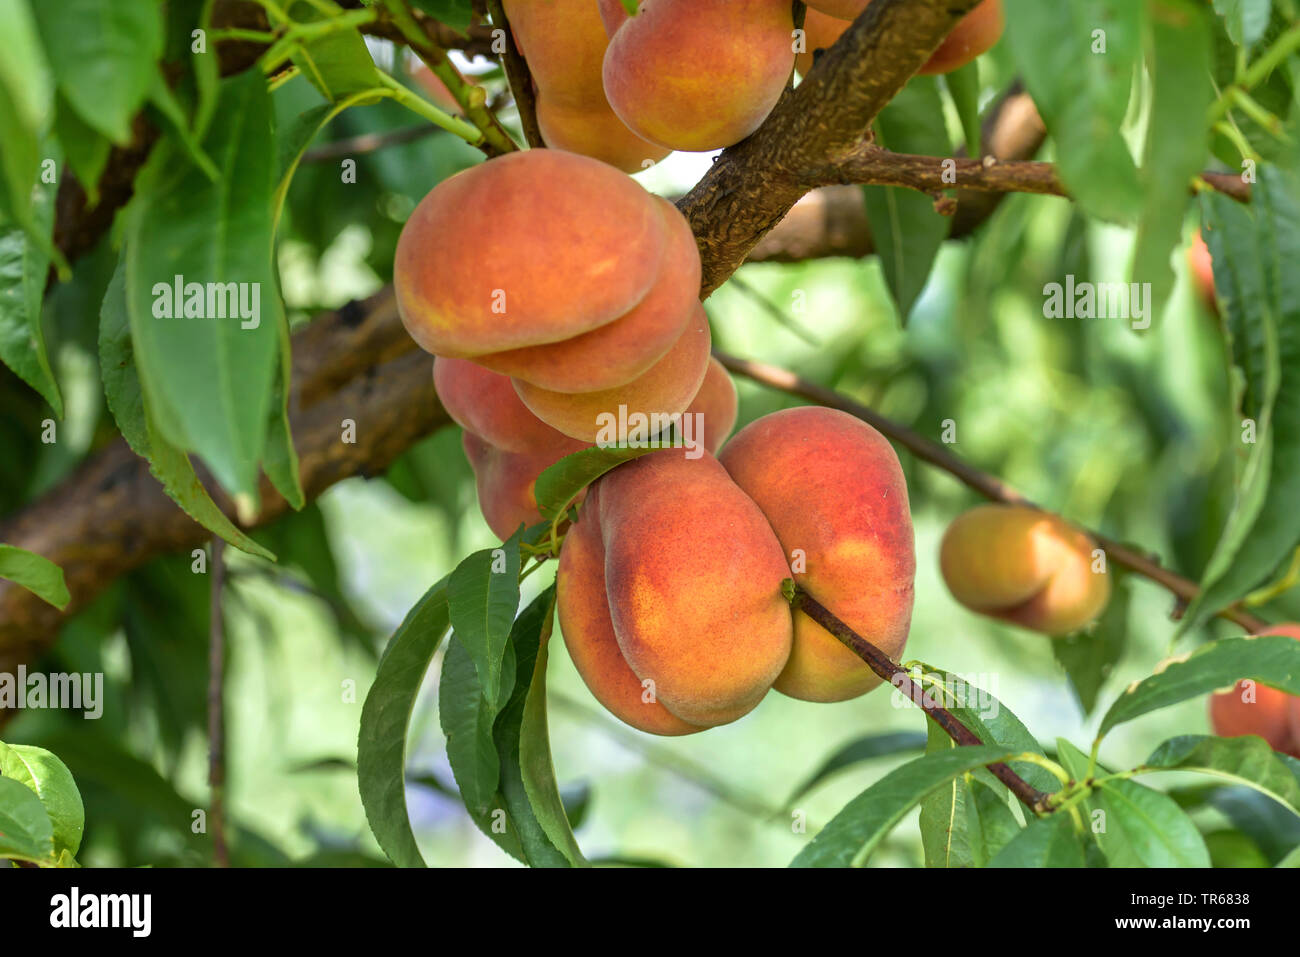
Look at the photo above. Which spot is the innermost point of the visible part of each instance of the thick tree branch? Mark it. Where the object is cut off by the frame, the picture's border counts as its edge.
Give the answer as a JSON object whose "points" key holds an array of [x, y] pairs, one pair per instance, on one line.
{"points": [[987, 485], [111, 515]]}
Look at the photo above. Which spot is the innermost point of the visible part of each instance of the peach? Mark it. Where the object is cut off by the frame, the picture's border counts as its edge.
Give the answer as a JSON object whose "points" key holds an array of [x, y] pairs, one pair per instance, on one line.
{"points": [[583, 608], [832, 489], [693, 576], [699, 74], [505, 480], [820, 33], [1201, 265], [595, 131], [618, 352], [612, 416], [717, 405], [525, 249], [974, 34], [564, 43], [485, 403], [1024, 566], [1255, 708]]}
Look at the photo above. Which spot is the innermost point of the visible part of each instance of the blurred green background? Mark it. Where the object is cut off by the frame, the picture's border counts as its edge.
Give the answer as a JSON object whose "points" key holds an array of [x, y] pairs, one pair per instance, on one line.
{"points": [[1127, 432]]}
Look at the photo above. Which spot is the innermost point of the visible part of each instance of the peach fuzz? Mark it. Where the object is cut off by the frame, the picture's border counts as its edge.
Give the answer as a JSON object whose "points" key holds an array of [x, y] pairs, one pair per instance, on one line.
{"points": [[1024, 566], [524, 249], [665, 389], [693, 576], [832, 489], [583, 609], [626, 348], [699, 74]]}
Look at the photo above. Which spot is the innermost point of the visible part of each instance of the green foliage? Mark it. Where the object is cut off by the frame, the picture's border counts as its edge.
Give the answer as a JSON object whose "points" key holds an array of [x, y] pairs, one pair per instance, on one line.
{"points": [[38, 575]]}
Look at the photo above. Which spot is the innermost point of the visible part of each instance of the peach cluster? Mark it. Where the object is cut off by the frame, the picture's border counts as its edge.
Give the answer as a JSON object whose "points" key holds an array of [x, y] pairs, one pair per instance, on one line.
{"points": [[669, 582], [508, 447], [565, 275], [564, 43]]}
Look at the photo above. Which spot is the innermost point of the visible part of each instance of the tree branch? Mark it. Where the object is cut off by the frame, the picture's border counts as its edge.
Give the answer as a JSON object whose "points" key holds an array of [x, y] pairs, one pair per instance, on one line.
{"points": [[519, 77], [881, 664], [111, 515], [987, 485]]}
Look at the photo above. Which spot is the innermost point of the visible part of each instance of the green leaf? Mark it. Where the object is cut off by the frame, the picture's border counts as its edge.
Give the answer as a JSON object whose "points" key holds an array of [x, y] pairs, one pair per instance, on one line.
{"points": [[208, 382], [1144, 828], [26, 99], [1245, 20], [24, 266], [853, 834], [1045, 842], [906, 229], [1254, 252], [964, 87], [1083, 95], [498, 778], [467, 719], [25, 830], [858, 750], [483, 594], [386, 719], [457, 14], [1089, 657], [103, 54], [164, 101], [1291, 860], [993, 723], [337, 63], [168, 464], [1177, 138], [85, 147], [1273, 660], [945, 838], [52, 782], [37, 574], [559, 485], [532, 798], [1247, 760], [555, 812]]}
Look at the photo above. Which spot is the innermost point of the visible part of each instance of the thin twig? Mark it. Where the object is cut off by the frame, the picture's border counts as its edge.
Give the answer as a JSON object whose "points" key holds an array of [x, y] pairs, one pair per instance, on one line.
{"points": [[519, 77], [216, 707], [987, 485], [888, 671]]}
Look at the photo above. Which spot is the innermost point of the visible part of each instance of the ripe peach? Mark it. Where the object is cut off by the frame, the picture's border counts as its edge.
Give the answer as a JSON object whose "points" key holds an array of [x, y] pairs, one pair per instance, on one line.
{"points": [[1025, 566], [699, 74], [693, 576], [620, 351], [612, 416], [717, 405], [524, 249], [564, 43], [1255, 708], [583, 608], [831, 487], [485, 403]]}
